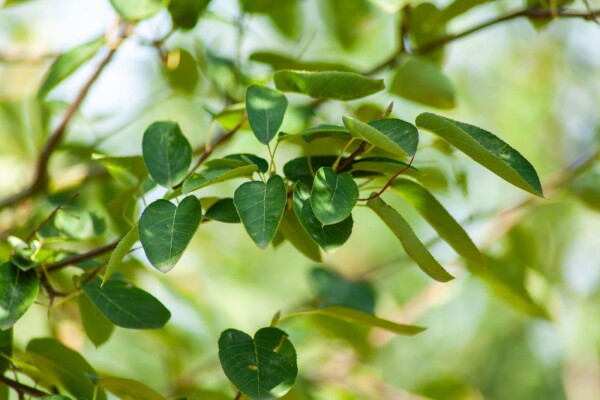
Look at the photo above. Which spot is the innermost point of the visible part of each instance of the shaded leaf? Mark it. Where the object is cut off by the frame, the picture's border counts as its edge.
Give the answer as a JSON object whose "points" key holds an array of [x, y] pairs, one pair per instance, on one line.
{"points": [[119, 253], [459, 7], [393, 135], [6, 346], [210, 176], [349, 20], [282, 61], [303, 169], [327, 84], [18, 291], [333, 195], [239, 160], [128, 389], [96, 326], [182, 72], [334, 290], [321, 131], [223, 211], [426, 27], [134, 10], [185, 13], [293, 231], [266, 109]]}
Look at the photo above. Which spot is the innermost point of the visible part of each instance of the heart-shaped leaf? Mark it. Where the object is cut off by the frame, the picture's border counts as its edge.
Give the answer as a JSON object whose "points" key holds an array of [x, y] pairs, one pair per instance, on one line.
{"points": [[485, 148], [262, 368], [393, 135], [18, 290], [260, 207], [328, 237], [167, 153], [166, 230], [126, 305], [333, 196], [266, 109]]}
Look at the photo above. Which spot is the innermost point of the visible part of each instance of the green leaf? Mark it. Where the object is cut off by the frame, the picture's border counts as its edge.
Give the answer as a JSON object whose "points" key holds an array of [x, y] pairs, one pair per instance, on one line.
{"points": [[223, 211], [293, 231], [127, 389], [185, 13], [321, 131], [393, 135], [182, 72], [129, 170], [410, 242], [485, 148], [349, 19], [282, 61], [213, 175], [333, 195], [126, 305], [262, 368], [459, 7], [165, 230], [586, 188], [361, 318], [390, 6], [260, 207], [96, 326], [266, 109], [67, 365], [427, 26], [336, 85], [55, 397], [382, 165], [247, 158], [6, 346], [67, 63], [167, 153], [122, 249], [303, 169], [439, 219], [422, 81], [18, 291], [328, 237], [334, 290], [134, 10]]}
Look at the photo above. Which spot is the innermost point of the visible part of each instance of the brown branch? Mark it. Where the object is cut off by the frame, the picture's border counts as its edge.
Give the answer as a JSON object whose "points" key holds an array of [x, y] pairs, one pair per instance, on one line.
{"points": [[389, 182], [21, 388], [82, 257], [361, 149], [52, 214]]}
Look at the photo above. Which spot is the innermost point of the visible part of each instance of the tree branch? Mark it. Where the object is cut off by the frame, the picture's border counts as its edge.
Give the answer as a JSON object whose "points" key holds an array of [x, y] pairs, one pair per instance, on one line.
{"points": [[21, 388], [82, 257]]}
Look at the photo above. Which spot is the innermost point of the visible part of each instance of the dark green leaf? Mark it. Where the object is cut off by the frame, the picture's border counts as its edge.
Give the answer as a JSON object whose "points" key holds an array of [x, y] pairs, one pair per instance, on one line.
{"points": [[18, 290], [260, 207], [393, 135], [213, 175], [167, 153], [126, 305], [165, 230], [122, 249], [335, 290], [333, 196], [303, 169], [327, 84], [246, 158], [262, 368], [96, 326], [266, 109], [293, 231], [6, 346], [127, 389], [134, 10], [185, 13], [281, 61], [410, 242], [223, 211], [485, 148], [182, 71]]}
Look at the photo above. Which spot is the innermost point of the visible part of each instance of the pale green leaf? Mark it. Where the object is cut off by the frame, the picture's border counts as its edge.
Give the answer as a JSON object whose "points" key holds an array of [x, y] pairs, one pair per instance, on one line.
{"points": [[134, 10], [181, 70], [393, 135], [213, 175], [293, 231], [223, 211], [128, 389], [96, 326]]}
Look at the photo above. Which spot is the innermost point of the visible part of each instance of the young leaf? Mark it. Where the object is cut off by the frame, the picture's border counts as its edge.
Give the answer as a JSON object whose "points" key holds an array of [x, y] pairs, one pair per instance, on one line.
{"points": [[96, 326], [185, 13], [126, 305], [335, 290], [260, 207], [167, 153], [410, 242], [128, 389], [293, 231], [422, 81], [333, 196], [328, 237], [485, 148], [18, 290], [266, 109], [393, 135], [327, 84], [134, 10], [166, 229], [214, 175], [223, 211], [439, 219], [6, 346], [262, 368], [120, 252]]}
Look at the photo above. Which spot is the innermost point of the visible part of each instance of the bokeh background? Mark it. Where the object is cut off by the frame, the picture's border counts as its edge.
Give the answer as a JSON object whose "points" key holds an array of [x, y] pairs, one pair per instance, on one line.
{"points": [[537, 88]]}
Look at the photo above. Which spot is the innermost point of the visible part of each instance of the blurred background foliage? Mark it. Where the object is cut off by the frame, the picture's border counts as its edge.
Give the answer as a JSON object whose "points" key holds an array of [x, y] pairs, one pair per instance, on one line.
{"points": [[536, 86]]}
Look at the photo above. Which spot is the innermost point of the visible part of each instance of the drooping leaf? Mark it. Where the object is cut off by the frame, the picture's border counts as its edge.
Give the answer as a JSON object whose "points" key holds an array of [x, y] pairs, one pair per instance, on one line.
{"points": [[126, 305], [134, 10], [181, 70], [410, 242], [6, 346], [487, 149], [422, 81], [223, 211], [334, 290], [328, 237], [128, 389], [210, 176], [96, 326], [18, 290], [281, 61], [293, 231], [336, 85], [167, 153], [67, 63], [439, 219], [333, 196], [260, 207], [119, 253], [263, 367], [266, 109], [393, 135], [166, 229], [185, 13]]}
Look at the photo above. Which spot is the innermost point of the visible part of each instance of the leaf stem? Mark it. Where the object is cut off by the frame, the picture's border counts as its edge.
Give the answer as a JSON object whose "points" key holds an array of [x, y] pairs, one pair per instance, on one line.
{"points": [[356, 153], [21, 388], [52, 214], [389, 182]]}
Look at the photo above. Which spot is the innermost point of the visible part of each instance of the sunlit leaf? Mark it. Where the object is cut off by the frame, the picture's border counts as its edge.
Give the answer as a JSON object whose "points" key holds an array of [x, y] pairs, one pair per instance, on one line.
{"points": [[459, 7], [333, 196], [214, 175], [18, 291], [134, 10], [239, 160], [266, 109], [119, 253], [130, 170], [128, 389], [282, 61], [96, 326], [293, 231], [335, 290], [393, 135]]}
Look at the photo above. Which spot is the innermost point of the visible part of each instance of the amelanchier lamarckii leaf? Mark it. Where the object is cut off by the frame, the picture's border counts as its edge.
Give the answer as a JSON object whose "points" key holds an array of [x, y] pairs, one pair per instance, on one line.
{"points": [[333, 196], [167, 153], [260, 207], [327, 84], [266, 109], [18, 290], [262, 368], [485, 148], [393, 135], [166, 229]]}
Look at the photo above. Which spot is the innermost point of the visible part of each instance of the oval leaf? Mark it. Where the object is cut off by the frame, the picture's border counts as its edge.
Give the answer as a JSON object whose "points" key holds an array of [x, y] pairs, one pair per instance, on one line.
{"points": [[128, 389], [125, 305], [120, 252], [333, 196], [18, 290], [327, 84], [223, 211], [393, 135], [214, 175], [260, 207], [165, 230], [167, 153], [410, 242], [293, 231], [134, 10], [266, 109], [96, 326], [485, 148], [262, 368]]}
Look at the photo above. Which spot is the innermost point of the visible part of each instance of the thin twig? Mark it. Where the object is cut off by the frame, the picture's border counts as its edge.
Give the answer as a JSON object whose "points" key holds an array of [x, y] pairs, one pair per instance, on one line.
{"points": [[389, 182], [82, 257], [361, 149], [238, 396], [21, 388], [52, 214]]}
